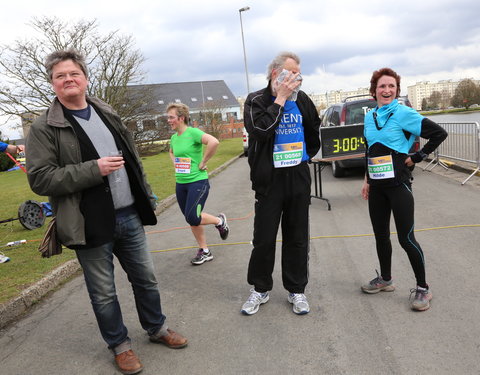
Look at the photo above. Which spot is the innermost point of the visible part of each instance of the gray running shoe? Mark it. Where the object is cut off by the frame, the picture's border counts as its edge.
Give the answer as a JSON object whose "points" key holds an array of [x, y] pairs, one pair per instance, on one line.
{"points": [[202, 257], [300, 303], [254, 301], [223, 228], [378, 285], [421, 302]]}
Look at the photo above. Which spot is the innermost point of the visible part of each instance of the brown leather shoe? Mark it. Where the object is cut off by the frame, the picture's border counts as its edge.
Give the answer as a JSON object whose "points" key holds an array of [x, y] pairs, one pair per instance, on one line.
{"points": [[128, 363], [173, 340]]}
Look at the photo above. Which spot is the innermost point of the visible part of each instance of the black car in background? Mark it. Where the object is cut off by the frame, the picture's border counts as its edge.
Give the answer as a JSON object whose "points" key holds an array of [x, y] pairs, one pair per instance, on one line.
{"points": [[352, 111]]}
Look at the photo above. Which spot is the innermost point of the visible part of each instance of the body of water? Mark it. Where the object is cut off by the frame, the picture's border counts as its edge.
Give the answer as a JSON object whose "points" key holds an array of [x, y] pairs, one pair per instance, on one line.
{"points": [[456, 117]]}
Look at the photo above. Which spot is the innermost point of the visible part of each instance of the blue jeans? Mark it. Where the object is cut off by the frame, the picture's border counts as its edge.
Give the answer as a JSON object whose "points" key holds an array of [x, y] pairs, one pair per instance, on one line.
{"points": [[129, 246]]}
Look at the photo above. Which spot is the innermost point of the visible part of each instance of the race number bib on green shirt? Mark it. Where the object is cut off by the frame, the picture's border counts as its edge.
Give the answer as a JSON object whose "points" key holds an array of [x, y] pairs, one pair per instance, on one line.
{"points": [[381, 167], [183, 165], [287, 154]]}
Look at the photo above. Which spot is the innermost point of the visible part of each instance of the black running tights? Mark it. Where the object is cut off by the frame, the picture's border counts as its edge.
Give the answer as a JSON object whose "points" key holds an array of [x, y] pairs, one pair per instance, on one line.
{"points": [[399, 200]]}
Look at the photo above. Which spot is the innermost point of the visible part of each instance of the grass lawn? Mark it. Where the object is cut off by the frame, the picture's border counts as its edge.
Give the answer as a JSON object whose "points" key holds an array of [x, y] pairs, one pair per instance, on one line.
{"points": [[26, 265]]}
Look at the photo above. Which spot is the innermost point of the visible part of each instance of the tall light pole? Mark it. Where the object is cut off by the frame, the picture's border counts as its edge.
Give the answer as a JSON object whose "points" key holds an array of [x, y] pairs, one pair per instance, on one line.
{"points": [[243, 42]]}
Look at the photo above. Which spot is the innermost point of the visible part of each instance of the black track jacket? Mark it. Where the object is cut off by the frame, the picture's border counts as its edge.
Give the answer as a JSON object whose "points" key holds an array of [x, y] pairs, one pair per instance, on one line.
{"points": [[262, 116]]}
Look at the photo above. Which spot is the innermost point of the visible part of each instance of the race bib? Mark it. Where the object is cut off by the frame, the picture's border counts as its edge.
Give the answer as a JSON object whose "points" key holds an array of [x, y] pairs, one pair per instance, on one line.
{"points": [[381, 167], [287, 154], [183, 165]]}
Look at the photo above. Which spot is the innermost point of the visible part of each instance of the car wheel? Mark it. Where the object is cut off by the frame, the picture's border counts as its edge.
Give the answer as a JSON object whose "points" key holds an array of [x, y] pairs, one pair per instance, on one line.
{"points": [[337, 171]]}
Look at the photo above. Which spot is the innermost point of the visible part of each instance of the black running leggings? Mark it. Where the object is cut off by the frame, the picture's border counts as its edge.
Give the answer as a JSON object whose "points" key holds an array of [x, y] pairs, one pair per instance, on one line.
{"points": [[382, 201]]}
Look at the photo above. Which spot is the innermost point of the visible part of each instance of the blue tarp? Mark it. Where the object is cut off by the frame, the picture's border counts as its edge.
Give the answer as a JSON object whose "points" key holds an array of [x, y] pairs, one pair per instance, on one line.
{"points": [[47, 209]]}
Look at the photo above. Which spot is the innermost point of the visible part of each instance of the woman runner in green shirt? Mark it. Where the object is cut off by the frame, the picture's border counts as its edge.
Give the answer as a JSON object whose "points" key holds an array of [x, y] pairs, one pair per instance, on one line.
{"points": [[192, 186]]}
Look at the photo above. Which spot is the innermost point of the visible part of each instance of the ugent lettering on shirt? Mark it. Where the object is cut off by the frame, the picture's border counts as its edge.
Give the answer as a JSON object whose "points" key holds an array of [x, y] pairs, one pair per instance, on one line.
{"points": [[289, 139]]}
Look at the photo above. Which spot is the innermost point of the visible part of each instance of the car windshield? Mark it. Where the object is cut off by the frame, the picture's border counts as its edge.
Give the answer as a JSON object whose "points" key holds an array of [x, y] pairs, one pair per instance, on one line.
{"points": [[356, 111]]}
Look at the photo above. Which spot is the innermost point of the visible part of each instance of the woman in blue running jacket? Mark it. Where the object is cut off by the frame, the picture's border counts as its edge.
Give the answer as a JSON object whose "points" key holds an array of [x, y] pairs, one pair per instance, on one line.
{"points": [[390, 130]]}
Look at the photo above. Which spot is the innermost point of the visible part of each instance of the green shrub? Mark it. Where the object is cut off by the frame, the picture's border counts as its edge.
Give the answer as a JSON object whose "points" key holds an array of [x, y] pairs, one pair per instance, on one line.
{"points": [[5, 162]]}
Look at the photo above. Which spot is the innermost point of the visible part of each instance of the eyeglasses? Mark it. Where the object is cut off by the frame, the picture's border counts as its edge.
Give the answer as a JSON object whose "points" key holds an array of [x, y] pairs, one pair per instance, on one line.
{"points": [[172, 117]]}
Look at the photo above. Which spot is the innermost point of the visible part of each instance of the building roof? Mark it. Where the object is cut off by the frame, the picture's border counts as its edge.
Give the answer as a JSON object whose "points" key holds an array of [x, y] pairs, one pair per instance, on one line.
{"points": [[196, 95]]}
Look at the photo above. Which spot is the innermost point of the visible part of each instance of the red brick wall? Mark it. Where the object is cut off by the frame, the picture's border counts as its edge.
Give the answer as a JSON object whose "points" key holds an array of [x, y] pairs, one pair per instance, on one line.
{"points": [[228, 130], [232, 130]]}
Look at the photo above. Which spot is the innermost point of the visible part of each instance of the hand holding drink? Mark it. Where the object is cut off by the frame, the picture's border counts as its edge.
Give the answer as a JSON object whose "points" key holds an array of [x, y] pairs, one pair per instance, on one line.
{"points": [[118, 155]]}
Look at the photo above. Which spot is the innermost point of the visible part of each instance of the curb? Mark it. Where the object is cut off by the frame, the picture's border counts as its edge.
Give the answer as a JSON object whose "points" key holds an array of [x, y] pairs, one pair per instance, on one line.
{"points": [[16, 307], [463, 167], [460, 168]]}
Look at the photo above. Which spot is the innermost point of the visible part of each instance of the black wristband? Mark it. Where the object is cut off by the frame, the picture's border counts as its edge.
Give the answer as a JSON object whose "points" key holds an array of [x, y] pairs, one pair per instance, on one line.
{"points": [[418, 156]]}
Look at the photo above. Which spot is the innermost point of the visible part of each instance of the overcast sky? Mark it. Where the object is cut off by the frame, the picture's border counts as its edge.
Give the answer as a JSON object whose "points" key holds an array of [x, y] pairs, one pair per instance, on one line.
{"points": [[340, 42]]}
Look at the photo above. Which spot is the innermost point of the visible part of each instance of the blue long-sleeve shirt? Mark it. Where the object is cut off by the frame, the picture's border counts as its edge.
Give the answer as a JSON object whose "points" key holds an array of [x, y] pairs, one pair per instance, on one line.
{"points": [[3, 146]]}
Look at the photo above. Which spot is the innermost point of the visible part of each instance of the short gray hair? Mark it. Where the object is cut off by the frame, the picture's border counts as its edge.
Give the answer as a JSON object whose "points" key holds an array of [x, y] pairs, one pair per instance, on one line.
{"points": [[279, 61], [62, 55]]}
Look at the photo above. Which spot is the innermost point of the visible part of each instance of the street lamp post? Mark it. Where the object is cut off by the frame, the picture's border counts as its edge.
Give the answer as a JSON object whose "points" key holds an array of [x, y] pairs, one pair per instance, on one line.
{"points": [[243, 42]]}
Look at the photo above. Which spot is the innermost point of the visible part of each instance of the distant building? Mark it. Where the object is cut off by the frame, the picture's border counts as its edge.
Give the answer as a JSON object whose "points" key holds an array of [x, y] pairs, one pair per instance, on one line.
{"points": [[423, 90], [335, 96], [200, 97]]}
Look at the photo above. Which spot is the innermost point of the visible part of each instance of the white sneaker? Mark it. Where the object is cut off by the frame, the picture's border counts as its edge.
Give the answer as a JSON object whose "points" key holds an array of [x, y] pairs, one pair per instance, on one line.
{"points": [[254, 301], [4, 258], [300, 303]]}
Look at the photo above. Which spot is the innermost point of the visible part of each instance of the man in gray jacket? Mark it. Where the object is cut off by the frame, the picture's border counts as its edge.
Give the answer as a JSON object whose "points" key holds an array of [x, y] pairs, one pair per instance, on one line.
{"points": [[100, 201]]}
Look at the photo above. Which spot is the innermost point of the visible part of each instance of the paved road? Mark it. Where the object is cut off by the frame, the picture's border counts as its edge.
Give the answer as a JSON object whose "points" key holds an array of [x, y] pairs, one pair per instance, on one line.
{"points": [[347, 332]]}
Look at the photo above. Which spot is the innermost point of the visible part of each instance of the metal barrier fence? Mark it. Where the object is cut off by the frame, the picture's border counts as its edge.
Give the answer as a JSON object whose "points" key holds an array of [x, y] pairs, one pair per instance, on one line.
{"points": [[462, 144]]}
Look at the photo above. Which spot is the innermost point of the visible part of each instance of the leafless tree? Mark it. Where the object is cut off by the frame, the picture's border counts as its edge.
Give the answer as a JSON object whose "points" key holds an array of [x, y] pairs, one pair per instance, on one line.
{"points": [[112, 60], [445, 99], [434, 100], [5, 162], [151, 134], [466, 94], [210, 117], [424, 104]]}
